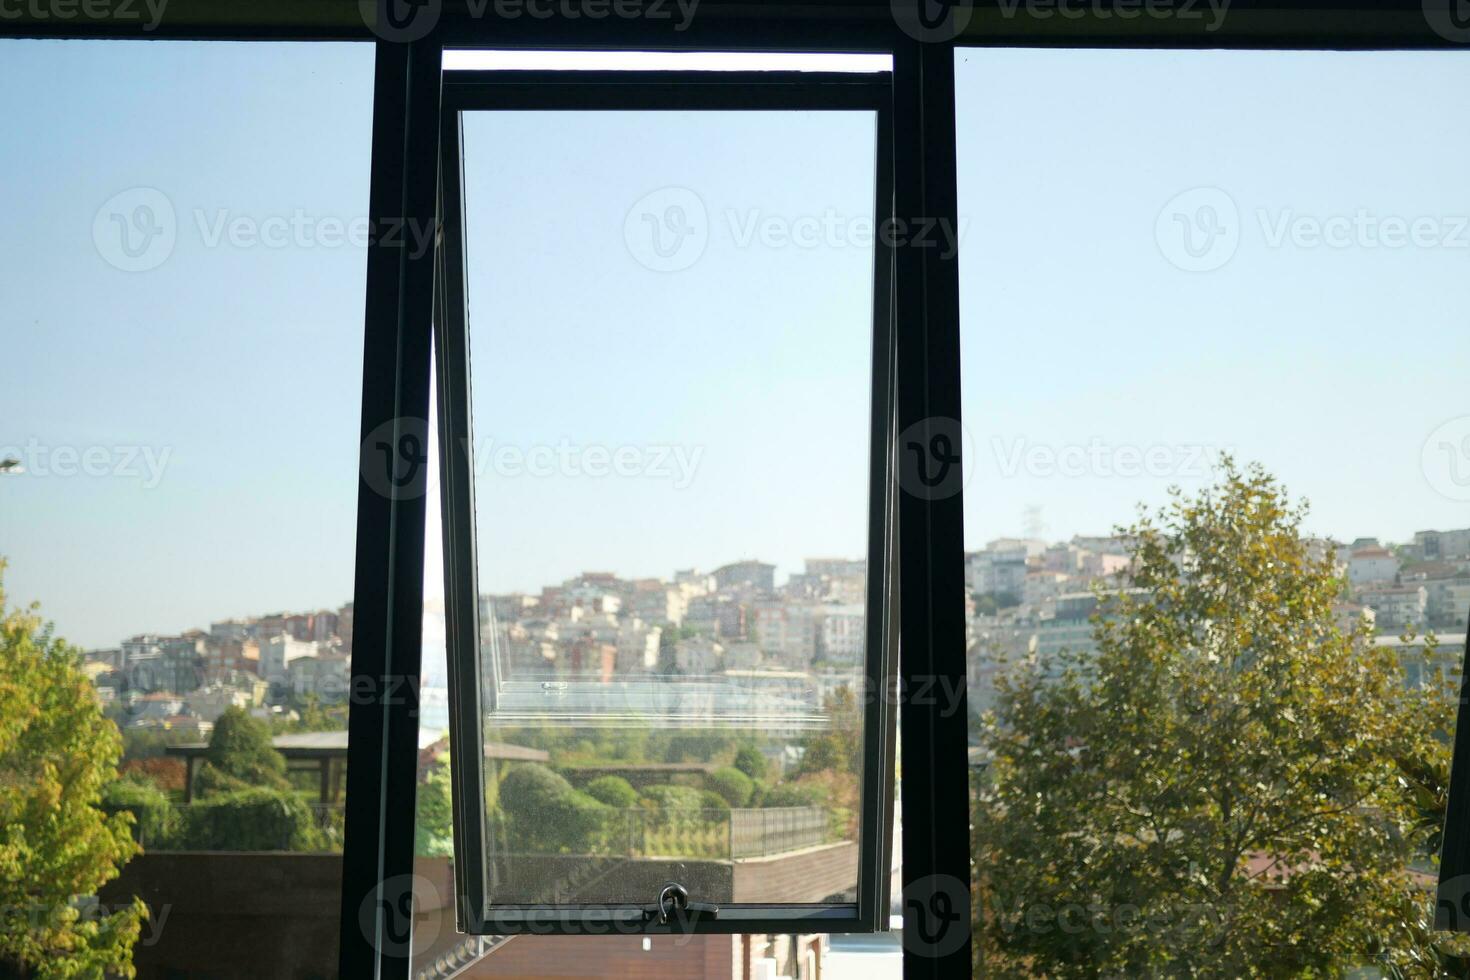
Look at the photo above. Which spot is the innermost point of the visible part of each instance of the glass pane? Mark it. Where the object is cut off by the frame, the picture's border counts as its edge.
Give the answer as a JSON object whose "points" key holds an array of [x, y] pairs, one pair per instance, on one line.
{"points": [[1216, 725], [671, 341], [183, 275]]}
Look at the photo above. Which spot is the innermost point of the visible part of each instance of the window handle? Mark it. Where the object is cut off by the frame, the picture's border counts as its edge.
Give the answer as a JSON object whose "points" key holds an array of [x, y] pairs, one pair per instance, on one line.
{"points": [[673, 904]]}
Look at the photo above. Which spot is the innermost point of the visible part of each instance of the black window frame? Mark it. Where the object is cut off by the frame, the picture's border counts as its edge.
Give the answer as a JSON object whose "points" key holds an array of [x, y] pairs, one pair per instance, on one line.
{"points": [[575, 90], [378, 859]]}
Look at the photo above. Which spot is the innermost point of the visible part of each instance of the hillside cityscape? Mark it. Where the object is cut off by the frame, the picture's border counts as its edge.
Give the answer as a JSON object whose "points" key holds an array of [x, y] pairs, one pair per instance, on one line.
{"points": [[802, 638], [1031, 598]]}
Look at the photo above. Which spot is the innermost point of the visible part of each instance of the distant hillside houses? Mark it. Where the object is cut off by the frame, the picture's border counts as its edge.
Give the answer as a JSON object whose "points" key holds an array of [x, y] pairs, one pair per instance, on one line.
{"points": [[1032, 599]]}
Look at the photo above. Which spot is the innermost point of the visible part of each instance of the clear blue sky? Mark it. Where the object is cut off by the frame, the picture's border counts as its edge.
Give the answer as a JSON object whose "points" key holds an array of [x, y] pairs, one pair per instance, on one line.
{"points": [[1331, 366]]}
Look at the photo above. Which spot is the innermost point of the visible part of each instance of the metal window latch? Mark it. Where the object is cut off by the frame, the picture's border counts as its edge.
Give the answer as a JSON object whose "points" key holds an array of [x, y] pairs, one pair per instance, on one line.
{"points": [[673, 905]]}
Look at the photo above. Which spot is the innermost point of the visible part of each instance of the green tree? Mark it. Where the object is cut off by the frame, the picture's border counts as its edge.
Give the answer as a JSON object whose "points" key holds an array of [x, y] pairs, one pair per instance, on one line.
{"points": [[240, 756], [433, 825], [839, 747], [57, 846], [1214, 790]]}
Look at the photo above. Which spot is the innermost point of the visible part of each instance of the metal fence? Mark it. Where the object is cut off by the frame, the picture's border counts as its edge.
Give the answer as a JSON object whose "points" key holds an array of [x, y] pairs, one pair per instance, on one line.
{"points": [[757, 833], [636, 832], [717, 834]]}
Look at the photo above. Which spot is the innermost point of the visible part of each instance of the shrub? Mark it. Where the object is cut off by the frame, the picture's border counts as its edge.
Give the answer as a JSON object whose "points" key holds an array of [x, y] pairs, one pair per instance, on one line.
{"points": [[732, 784], [793, 794], [546, 815], [750, 761], [154, 818], [250, 820], [710, 800], [166, 774], [670, 799], [615, 791], [433, 825]]}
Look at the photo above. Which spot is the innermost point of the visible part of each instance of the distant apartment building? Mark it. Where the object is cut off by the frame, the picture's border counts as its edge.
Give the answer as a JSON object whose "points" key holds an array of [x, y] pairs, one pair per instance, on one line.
{"points": [[325, 676], [699, 655], [745, 576], [277, 653], [589, 657], [208, 703], [786, 631], [1448, 602], [1396, 607], [654, 601], [1065, 623], [716, 615], [344, 627], [1106, 545], [637, 647], [224, 656], [1443, 545], [1000, 568], [1093, 565], [691, 581], [162, 663], [1038, 586], [843, 634], [837, 567], [1371, 564], [1062, 557], [230, 629], [323, 625]]}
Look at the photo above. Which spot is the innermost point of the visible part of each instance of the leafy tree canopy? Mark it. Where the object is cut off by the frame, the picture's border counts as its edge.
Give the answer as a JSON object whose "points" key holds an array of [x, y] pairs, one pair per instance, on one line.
{"points": [[57, 846], [1214, 790], [240, 756]]}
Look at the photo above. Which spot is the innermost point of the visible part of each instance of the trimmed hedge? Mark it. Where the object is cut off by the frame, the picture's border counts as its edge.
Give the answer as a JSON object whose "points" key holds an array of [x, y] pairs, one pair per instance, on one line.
{"points": [[154, 817], [732, 784], [793, 794], [249, 820], [615, 791], [547, 816]]}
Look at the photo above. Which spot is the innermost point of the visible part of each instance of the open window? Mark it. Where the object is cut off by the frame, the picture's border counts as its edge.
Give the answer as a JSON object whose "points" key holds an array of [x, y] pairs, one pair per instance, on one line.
{"points": [[665, 363]]}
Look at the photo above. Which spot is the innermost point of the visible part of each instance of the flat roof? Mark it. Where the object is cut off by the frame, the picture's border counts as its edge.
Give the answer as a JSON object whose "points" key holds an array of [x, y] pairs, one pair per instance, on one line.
{"points": [[315, 745]]}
